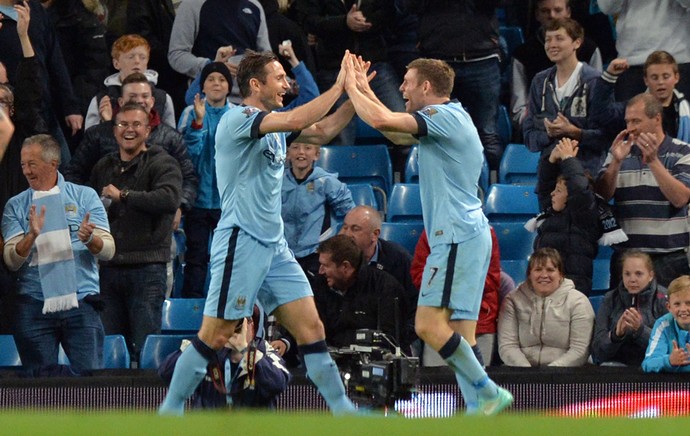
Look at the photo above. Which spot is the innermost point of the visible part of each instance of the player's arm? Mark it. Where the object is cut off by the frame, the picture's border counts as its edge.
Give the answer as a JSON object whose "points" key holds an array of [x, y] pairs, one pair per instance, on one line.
{"points": [[325, 129], [304, 116], [396, 126]]}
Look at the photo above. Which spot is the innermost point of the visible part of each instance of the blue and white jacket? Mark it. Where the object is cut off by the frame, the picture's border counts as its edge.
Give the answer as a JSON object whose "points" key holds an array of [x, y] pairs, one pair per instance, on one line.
{"points": [[578, 108], [309, 209], [664, 332]]}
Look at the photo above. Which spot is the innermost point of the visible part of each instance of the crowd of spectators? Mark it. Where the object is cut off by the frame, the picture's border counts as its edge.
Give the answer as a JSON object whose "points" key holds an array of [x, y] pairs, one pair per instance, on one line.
{"points": [[80, 125]]}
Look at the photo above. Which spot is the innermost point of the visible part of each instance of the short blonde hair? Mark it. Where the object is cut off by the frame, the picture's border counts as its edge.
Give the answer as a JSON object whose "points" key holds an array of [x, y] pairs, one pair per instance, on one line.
{"points": [[680, 284]]}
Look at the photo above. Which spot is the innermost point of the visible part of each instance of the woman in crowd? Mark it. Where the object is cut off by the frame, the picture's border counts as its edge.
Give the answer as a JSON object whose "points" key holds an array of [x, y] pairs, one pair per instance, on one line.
{"points": [[545, 321]]}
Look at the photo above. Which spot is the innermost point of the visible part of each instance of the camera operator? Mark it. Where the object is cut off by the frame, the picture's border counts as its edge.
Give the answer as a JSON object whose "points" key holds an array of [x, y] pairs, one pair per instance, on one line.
{"points": [[351, 295]]}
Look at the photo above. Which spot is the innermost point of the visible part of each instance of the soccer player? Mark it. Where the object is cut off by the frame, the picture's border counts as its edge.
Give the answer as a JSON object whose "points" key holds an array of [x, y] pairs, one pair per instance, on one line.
{"points": [[450, 159], [250, 259]]}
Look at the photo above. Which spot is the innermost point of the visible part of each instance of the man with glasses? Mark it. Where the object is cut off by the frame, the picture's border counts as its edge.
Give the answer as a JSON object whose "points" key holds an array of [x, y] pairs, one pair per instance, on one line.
{"points": [[141, 187], [99, 140]]}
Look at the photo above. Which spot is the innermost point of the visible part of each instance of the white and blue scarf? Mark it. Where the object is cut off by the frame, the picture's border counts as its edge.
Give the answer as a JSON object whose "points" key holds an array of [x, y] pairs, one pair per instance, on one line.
{"points": [[54, 256]]}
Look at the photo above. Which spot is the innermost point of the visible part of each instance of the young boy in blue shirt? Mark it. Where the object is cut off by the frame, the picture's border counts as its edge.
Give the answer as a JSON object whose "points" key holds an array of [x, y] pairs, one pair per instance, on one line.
{"points": [[669, 343], [311, 198]]}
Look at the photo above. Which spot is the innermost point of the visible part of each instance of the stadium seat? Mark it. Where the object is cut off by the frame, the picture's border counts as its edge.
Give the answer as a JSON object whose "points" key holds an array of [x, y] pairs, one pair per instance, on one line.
{"points": [[412, 165], [367, 135], [516, 269], [514, 241], [405, 234], [404, 204], [182, 315], [503, 125], [115, 353], [601, 276], [360, 164], [9, 356], [513, 36], [363, 194], [511, 203], [483, 181], [518, 166], [596, 302], [157, 347]]}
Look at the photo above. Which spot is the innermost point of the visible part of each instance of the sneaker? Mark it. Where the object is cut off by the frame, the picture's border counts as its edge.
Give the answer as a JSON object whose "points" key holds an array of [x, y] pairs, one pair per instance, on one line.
{"points": [[503, 400]]}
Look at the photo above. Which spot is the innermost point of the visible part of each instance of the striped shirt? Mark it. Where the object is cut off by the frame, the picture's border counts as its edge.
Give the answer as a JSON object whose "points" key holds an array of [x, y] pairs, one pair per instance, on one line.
{"points": [[649, 219]]}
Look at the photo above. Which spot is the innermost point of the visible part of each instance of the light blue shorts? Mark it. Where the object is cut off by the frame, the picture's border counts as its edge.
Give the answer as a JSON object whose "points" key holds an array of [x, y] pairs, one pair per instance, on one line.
{"points": [[454, 276], [244, 270]]}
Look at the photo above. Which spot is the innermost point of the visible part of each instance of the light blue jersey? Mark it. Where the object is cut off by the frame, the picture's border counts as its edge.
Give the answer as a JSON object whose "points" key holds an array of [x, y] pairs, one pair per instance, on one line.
{"points": [[78, 200], [450, 161], [250, 169]]}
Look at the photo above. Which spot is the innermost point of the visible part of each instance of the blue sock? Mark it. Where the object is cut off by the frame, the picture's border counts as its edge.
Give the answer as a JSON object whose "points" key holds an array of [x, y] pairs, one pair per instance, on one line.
{"points": [[323, 372], [459, 355], [190, 370]]}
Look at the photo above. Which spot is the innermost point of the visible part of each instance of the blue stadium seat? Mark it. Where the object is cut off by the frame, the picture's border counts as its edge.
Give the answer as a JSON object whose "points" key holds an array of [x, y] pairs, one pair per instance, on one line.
{"points": [[157, 347], [600, 276], [518, 166], [115, 353], [404, 204], [412, 165], [367, 135], [483, 181], [9, 356], [360, 164], [405, 234], [363, 194], [516, 269], [182, 315], [596, 302], [513, 36], [511, 203], [503, 125], [514, 241]]}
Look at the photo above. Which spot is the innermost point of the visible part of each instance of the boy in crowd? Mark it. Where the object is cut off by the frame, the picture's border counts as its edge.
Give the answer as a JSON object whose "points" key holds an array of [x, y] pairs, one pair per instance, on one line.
{"points": [[669, 347], [310, 199], [130, 54]]}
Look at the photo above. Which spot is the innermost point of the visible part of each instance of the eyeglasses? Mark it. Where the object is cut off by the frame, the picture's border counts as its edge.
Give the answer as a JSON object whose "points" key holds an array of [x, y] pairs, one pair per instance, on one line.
{"points": [[134, 125]]}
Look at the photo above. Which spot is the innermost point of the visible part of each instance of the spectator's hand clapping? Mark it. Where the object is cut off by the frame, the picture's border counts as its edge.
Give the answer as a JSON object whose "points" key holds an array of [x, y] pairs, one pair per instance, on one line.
{"points": [[105, 109], [621, 146], [648, 144], [356, 20], [36, 221]]}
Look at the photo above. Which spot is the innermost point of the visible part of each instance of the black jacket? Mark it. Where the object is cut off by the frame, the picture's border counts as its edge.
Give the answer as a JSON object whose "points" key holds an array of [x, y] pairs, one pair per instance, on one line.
{"points": [[327, 20], [462, 29], [28, 107], [575, 230], [396, 261], [368, 304], [142, 224], [99, 140], [82, 39], [630, 349]]}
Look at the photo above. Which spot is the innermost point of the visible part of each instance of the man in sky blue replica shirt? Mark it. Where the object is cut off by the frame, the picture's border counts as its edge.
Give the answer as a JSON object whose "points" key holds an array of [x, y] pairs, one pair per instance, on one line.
{"points": [[250, 259], [55, 232], [450, 159]]}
